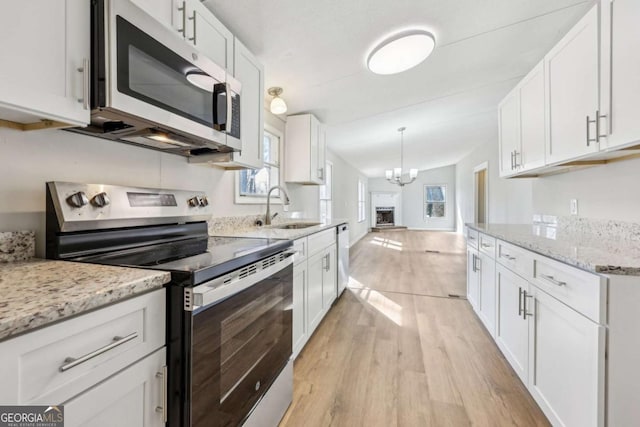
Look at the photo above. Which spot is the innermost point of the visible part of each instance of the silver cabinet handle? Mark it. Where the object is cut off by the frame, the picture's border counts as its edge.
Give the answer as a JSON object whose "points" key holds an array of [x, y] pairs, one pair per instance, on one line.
{"points": [[71, 362], [589, 139], [163, 409], [320, 173], [516, 165], [519, 302], [598, 118], [486, 245], [507, 256], [525, 313], [183, 9], [512, 160], [470, 237], [85, 83], [328, 257], [193, 18], [553, 280]]}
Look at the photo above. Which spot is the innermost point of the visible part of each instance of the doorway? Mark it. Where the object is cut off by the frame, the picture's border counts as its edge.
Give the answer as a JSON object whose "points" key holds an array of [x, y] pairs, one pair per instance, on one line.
{"points": [[481, 193]]}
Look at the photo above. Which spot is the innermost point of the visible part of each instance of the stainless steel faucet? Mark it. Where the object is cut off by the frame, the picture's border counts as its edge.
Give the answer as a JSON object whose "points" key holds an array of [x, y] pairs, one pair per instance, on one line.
{"points": [[267, 217]]}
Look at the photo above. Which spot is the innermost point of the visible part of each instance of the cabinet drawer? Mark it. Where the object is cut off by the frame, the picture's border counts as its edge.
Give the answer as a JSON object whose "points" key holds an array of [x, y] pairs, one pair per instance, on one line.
{"points": [[582, 291], [487, 245], [514, 258], [301, 247], [472, 237], [319, 241], [38, 366]]}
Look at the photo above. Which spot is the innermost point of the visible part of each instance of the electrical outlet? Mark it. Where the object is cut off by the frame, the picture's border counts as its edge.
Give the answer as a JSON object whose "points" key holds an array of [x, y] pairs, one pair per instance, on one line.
{"points": [[574, 206]]}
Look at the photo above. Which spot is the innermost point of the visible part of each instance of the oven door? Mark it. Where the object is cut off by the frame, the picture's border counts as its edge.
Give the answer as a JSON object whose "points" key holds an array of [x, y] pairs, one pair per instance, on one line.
{"points": [[153, 74], [241, 340]]}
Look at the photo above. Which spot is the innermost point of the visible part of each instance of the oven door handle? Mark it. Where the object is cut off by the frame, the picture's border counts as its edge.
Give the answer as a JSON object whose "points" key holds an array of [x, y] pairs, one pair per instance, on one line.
{"points": [[216, 290]]}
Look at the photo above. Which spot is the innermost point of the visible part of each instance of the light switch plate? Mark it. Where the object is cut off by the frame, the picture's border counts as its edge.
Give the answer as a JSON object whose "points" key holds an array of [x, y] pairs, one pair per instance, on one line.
{"points": [[574, 206]]}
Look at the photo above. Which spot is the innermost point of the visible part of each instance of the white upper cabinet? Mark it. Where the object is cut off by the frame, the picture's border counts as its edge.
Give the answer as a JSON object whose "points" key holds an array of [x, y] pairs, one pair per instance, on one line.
{"points": [[509, 132], [572, 82], [305, 150], [621, 70], [197, 25], [44, 63], [532, 120], [162, 10]]}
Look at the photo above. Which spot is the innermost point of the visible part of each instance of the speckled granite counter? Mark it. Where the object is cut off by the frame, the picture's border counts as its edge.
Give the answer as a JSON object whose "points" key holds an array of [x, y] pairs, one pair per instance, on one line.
{"points": [[38, 292], [591, 252], [269, 232]]}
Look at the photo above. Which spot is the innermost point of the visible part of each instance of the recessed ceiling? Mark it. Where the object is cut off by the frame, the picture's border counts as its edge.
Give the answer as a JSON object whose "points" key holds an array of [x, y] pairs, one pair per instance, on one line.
{"points": [[316, 51]]}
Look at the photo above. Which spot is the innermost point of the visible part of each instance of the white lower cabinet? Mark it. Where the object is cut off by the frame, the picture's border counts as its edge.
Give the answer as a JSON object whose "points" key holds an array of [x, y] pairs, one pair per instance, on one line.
{"points": [[512, 330], [134, 397], [472, 276], [486, 306], [315, 284], [566, 362]]}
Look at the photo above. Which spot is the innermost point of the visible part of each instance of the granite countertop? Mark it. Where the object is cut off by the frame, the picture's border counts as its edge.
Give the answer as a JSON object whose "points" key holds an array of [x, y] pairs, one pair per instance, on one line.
{"points": [[38, 292], [271, 232], [590, 252]]}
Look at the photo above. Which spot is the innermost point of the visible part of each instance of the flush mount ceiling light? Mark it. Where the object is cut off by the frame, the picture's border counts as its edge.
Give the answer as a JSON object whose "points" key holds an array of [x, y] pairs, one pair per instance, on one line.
{"points": [[401, 52], [277, 106], [201, 80], [394, 175]]}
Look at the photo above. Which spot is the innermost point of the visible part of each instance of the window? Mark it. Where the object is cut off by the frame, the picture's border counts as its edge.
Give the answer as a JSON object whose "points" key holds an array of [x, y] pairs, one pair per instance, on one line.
{"points": [[435, 199], [362, 209], [326, 195], [253, 184]]}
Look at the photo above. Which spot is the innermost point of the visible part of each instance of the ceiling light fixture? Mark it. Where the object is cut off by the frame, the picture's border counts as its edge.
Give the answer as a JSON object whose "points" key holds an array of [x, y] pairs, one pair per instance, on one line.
{"points": [[401, 52], [201, 80], [394, 175], [277, 106]]}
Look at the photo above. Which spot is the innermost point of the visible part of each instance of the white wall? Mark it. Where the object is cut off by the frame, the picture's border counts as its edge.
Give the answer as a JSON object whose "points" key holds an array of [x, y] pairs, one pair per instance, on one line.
{"points": [[603, 192], [510, 201], [345, 196], [413, 198]]}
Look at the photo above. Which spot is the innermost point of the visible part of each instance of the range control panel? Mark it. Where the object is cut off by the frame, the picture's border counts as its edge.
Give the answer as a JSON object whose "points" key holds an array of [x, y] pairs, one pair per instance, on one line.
{"points": [[108, 206]]}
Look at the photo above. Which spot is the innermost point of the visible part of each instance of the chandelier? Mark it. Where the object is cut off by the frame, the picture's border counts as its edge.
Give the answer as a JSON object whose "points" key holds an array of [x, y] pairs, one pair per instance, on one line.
{"points": [[394, 175]]}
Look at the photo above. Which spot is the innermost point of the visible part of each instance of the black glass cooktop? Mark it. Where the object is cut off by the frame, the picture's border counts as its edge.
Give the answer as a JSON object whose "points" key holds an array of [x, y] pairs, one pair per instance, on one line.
{"points": [[194, 261]]}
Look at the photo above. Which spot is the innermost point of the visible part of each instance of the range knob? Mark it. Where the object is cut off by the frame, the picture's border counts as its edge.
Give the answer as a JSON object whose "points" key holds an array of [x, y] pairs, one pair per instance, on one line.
{"points": [[100, 200], [78, 200], [204, 201], [193, 202]]}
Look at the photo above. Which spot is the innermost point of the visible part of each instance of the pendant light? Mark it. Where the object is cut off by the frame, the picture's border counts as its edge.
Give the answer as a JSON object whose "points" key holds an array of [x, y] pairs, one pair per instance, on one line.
{"points": [[394, 175], [277, 106]]}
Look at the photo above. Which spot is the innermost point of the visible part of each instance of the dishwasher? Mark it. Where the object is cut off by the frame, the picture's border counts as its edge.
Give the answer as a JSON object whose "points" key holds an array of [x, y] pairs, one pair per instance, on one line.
{"points": [[343, 257]]}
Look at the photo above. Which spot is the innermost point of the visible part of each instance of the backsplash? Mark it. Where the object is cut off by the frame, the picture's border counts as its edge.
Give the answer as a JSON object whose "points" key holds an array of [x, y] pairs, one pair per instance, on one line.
{"points": [[17, 245], [594, 228]]}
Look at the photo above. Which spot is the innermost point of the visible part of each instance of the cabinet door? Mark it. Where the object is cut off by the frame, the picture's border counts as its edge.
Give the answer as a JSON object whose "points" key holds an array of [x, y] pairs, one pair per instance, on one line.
{"points": [[566, 362], [300, 295], [472, 277], [161, 10], [621, 33], [512, 333], [250, 73], [532, 120], [314, 149], [45, 44], [322, 150], [487, 293], [509, 132], [330, 277], [572, 80], [315, 292], [127, 399], [208, 35]]}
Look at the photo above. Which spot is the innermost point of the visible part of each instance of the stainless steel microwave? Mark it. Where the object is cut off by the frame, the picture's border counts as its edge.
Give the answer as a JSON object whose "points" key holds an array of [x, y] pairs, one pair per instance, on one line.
{"points": [[149, 87]]}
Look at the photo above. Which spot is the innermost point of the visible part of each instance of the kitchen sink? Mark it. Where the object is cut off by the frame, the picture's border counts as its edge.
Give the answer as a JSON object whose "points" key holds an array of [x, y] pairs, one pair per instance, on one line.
{"points": [[295, 225]]}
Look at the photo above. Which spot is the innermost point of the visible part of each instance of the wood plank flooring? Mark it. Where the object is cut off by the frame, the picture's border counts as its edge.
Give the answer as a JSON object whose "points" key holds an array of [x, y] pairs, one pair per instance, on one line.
{"points": [[395, 350]]}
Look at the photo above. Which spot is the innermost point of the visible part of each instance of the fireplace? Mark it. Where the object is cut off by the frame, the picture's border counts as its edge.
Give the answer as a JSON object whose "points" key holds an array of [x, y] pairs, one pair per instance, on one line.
{"points": [[385, 215]]}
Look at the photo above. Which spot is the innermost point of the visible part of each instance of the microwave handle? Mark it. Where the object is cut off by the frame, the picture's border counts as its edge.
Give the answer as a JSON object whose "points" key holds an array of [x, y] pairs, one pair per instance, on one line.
{"points": [[222, 122]]}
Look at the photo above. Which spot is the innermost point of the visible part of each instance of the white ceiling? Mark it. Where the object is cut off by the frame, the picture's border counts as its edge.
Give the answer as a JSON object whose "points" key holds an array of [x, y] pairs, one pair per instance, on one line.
{"points": [[316, 51]]}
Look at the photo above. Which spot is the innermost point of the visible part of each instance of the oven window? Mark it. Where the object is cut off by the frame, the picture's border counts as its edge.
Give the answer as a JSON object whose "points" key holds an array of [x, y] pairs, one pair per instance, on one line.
{"points": [[239, 347], [152, 73]]}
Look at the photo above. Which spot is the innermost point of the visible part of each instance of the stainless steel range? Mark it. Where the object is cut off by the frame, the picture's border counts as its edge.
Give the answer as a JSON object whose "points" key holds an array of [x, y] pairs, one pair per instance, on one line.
{"points": [[229, 301]]}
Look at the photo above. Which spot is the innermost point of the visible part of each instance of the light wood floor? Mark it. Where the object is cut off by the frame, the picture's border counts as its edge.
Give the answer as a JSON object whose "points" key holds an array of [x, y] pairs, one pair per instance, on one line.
{"points": [[395, 350]]}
